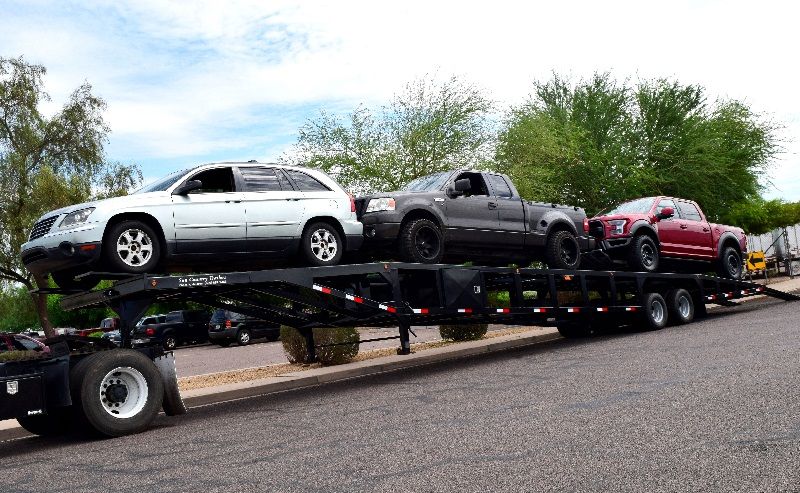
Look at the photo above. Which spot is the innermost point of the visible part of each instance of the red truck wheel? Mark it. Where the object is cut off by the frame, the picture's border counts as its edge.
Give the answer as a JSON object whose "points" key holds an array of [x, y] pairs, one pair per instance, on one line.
{"points": [[730, 264], [643, 256]]}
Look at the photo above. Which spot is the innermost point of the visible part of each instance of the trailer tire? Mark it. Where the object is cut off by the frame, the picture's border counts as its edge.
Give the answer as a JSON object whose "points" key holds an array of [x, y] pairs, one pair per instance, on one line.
{"points": [[57, 421], [116, 392], [681, 306], [643, 254], [173, 404], [655, 311], [562, 251]]}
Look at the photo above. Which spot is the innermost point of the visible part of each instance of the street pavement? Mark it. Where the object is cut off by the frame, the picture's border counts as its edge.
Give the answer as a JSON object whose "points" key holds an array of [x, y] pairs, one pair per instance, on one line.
{"points": [[711, 406]]}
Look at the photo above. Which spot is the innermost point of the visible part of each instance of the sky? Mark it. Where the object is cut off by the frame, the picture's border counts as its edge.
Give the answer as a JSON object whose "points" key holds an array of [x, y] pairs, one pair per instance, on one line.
{"points": [[189, 82]]}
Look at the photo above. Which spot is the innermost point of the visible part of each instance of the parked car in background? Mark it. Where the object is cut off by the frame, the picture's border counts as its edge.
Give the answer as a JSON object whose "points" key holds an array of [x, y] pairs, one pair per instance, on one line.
{"points": [[151, 320], [179, 327], [106, 325], [201, 218], [227, 327], [644, 232], [473, 215], [114, 337]]}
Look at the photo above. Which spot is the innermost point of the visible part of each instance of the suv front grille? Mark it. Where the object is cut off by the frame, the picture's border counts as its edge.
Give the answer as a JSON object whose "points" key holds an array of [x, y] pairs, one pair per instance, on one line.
{"points": [[42, 227]]}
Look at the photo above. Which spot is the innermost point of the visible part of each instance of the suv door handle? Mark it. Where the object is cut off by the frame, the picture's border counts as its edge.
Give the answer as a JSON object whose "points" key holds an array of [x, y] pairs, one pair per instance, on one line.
{"points": [[683, 226], [492, 205], [233, 201], [292, 198], [706, 230]]}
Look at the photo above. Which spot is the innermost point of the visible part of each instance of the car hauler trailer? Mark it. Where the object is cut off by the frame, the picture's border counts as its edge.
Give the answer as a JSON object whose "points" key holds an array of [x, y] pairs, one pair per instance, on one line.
{"points": [[120, 391]]}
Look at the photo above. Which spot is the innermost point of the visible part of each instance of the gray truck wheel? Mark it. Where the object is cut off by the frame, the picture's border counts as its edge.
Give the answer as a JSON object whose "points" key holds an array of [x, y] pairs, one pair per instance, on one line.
{"points": [[643, 255], [421, 241], [562, 251], [116, 392]]}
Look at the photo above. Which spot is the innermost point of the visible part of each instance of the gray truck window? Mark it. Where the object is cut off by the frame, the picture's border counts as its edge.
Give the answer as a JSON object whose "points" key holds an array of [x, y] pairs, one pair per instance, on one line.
{"points": [[306, 183], [500, 186], [260, 180], [689, 211]]}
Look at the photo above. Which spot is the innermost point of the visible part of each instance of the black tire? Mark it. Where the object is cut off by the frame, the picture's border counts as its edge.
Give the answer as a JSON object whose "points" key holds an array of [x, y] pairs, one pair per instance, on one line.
{"points": [[66, 280], [681, 306], [132, 246], [57, 421], [128, 371], [656, 313], [169, 342], [643, 254], [243, 337], [421, 242], [562, 251], [223, 343], [172, 404], [322, 244], [729, 264]]}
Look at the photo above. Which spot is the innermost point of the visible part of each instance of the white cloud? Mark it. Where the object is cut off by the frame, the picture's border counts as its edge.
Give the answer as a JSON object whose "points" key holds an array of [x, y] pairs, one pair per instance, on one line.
{"points": [[195, 79]]}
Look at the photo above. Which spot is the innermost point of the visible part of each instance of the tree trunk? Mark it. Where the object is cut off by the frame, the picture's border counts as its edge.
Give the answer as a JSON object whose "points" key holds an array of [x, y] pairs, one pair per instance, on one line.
{"points": [[40, 302]]}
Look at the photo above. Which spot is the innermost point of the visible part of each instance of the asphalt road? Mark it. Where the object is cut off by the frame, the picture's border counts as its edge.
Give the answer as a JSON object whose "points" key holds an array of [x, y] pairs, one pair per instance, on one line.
{"points": [[712, 406]]}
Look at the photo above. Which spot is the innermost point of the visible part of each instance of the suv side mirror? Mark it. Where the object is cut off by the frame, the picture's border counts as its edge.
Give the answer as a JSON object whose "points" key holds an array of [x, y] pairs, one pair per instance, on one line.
{"points": [[666, 213], [188, 187]]}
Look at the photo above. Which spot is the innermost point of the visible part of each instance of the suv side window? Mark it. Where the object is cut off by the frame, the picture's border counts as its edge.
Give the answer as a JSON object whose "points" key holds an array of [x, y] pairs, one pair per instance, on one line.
{"points": [[306, 183], [260, 180], [173, 317], [689, 211], [667, 203], [501, 188], [216, 180]]}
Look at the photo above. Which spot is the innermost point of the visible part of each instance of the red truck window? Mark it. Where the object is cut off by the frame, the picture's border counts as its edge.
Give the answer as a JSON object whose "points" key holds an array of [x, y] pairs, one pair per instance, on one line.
{"points": [[666, 203], [689, 211]]}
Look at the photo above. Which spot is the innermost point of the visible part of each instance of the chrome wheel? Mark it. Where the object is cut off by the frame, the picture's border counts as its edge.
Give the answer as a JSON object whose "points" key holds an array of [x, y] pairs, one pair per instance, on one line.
{"points": [[684, 306], [123, 392], [323, 245], [657, 311], [134, 247]]}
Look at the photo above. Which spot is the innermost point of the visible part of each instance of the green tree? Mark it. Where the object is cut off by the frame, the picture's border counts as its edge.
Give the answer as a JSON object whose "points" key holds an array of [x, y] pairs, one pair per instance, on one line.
{"points": [[600, 142], [428, 127], [47, 163]]}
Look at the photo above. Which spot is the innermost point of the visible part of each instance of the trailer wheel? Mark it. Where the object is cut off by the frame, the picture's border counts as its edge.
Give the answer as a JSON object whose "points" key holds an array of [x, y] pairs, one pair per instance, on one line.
{"points": [[173, 404], [117, 392], [57, 421], [681, 306], [655, 311], [562, 251], [643, 255]]}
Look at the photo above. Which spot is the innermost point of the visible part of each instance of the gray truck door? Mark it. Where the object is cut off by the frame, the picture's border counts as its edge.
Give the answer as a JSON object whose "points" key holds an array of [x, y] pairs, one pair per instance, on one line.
{"points": [[510, 211], [472, 218]]}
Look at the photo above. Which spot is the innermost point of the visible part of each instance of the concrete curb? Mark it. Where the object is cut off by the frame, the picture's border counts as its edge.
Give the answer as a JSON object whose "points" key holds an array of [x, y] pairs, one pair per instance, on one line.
{"points": [[10, 430]]}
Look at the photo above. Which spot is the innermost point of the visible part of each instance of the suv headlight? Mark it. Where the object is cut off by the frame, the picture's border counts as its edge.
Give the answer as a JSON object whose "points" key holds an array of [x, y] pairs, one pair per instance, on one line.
{"points": [[382, 204], [617, 226], [76, 218]]}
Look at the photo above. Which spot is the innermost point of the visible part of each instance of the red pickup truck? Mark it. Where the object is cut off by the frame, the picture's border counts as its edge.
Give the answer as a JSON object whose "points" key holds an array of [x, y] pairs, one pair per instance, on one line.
{"points": [[644, 231]]}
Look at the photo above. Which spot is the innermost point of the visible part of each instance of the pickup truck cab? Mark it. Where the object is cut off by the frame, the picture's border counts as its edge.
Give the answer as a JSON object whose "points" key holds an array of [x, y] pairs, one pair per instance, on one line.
{"points": [[472, 215], [645, 231]]}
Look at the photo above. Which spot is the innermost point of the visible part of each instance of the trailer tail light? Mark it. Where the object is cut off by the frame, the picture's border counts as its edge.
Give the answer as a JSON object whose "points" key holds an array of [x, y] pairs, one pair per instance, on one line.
{"points": [[150, 331], [228, 324]]}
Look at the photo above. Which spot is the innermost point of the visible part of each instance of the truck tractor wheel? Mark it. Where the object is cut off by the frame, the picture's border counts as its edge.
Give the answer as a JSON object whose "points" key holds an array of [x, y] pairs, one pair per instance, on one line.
{"points": [[132, 246], [243, 337], [730, 264], [643, 256], [655, 312], [421, 242], [66, 280], [681, 306], [322, 244], [562, 251], [57, 421], [170, 342], [116, 392]]}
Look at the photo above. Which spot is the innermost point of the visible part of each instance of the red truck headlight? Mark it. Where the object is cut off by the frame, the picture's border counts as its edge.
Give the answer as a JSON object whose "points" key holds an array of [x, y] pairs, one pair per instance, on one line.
{"points": [[617, 227]]}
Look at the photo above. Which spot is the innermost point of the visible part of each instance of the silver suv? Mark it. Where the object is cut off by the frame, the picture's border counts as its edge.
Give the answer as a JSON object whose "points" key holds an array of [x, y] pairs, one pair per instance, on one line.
{"points": [[198, 218]]}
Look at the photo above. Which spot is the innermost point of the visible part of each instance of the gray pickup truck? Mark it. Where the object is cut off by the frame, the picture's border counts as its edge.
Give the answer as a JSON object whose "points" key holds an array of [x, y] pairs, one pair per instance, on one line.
{"points": [[472, 215]]}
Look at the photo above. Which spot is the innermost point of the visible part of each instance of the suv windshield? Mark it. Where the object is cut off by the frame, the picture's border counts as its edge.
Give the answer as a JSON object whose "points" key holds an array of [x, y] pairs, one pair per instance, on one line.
{"points": [[638, 206], [427, 183], [163, 184]]}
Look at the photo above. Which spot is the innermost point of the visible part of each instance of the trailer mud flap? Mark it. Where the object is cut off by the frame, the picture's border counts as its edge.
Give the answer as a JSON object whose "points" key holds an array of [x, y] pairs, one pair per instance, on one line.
{"points": [[173, 402], [21, 395]]}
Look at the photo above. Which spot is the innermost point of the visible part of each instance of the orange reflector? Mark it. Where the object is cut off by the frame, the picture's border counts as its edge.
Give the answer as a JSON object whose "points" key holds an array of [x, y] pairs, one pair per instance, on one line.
{"points": [[87, 248]]}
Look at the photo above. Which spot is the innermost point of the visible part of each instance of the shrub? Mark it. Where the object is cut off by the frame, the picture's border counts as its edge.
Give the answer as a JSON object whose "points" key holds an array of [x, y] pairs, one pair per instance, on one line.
{"points": [[96, 335], [471, 332], [294, 344]]}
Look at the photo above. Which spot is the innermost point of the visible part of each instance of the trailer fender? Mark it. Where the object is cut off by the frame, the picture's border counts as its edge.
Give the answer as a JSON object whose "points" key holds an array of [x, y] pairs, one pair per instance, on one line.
{"points": [[173, 404]]}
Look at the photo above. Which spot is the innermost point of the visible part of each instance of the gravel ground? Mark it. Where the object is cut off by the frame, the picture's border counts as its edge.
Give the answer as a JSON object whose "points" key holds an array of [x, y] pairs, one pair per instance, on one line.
{"points": [[712, 406]]}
